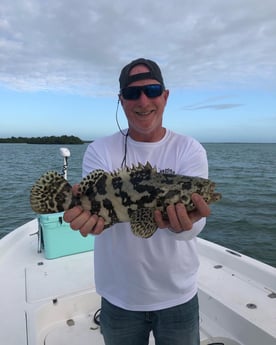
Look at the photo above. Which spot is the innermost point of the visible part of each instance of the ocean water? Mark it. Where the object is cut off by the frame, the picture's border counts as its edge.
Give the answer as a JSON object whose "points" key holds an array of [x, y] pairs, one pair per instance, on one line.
{"points": [[244, 220]]}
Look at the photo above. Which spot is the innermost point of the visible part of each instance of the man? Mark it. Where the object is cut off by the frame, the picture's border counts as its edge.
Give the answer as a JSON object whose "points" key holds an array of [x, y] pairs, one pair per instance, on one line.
{"points": [[146, 284]]}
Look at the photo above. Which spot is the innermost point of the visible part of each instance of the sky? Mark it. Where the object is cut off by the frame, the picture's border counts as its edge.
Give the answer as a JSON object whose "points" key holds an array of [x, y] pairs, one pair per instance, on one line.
{"points": [[60, 62]]}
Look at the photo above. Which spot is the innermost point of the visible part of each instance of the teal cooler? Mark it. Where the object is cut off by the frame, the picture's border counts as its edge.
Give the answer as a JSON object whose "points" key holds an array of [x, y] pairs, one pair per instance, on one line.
{"points": [[58, 239]]}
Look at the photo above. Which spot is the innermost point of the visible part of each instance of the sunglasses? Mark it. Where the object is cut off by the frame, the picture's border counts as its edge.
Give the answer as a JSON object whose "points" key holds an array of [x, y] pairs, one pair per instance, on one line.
{"points": [[134, 92]]}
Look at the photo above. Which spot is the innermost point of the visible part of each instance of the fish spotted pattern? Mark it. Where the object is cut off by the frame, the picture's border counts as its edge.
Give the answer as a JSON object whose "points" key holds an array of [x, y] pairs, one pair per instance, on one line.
{"points": [[126, 195]]}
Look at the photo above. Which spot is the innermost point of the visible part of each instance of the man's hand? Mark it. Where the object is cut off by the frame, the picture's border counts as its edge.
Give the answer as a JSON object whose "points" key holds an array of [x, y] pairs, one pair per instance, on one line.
{"points": [[82, 220], [179, 218]]}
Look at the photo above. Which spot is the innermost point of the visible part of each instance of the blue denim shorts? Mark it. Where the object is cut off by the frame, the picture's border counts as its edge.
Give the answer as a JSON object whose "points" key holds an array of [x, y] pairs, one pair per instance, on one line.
{"points": [[177, 325]]}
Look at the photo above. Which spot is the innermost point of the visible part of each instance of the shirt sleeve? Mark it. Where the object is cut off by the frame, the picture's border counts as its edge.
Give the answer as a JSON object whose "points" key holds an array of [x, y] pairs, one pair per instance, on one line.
{"points": [[95, 157]]}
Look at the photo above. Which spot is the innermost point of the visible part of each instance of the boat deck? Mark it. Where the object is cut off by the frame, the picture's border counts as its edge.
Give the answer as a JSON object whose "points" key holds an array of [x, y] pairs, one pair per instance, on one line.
{"points": [[53, 302]]}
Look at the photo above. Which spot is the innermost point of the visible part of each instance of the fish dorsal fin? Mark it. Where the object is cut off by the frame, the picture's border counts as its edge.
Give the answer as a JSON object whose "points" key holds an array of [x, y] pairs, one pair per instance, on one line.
{"points": [[142, 222], [134, 169]]}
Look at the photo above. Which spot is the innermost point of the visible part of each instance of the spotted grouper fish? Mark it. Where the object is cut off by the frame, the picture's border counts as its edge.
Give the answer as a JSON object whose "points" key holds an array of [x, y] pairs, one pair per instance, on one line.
{"points": [[126, 195]]}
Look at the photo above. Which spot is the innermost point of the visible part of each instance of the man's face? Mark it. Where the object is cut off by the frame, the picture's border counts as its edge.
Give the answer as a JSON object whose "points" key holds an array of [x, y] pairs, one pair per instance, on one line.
{"points": [[145, 114]]}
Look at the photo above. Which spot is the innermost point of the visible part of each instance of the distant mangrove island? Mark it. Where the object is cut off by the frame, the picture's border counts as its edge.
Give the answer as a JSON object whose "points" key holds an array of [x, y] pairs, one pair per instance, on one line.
{"points": [[63, 139]]}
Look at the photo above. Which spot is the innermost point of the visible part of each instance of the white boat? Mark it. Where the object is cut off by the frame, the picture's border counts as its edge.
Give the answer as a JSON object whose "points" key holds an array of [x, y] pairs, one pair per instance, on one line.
{"points": [[53, 301]]}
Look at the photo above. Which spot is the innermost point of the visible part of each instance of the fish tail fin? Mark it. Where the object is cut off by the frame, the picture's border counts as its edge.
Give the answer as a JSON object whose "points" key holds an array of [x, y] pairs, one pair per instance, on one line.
{"points": [[51, 193]]}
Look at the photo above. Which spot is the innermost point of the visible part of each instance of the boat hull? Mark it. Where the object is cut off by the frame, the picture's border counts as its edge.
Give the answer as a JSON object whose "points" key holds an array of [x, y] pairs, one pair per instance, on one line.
{"points": [[49, 302]]}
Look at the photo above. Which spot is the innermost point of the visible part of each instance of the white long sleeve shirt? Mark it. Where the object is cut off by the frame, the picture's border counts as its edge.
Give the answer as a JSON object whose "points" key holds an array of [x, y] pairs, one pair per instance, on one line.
{"points": [[161, 271]]}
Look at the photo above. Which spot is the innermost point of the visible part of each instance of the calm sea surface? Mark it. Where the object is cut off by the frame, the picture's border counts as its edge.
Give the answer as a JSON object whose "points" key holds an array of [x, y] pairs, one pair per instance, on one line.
{"points": [[244, 220]]}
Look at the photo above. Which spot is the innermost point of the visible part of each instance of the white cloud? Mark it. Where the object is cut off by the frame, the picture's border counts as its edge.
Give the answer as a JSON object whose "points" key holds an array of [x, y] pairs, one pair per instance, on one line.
{"points": [[220, 106], [82, 45]]}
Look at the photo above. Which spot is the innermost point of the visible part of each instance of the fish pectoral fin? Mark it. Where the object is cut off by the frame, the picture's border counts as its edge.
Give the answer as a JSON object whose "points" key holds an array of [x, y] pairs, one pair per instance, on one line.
{"points": [[142, 222]]}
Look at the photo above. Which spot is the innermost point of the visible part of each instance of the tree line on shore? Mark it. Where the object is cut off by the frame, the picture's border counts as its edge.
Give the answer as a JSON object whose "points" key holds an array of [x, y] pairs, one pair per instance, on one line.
{"points": [[63, 139]]}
